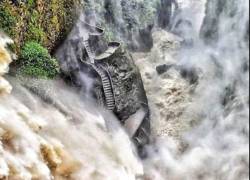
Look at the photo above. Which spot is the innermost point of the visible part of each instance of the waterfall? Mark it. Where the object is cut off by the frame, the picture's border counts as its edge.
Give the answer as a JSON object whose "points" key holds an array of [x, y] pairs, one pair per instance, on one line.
{"points": [[66, 138], [199, 102]]}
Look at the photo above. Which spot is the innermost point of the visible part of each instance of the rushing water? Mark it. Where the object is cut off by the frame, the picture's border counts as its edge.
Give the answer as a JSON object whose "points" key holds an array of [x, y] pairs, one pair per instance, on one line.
{"points": [[70, 139], [216, 146], [67, 139]]}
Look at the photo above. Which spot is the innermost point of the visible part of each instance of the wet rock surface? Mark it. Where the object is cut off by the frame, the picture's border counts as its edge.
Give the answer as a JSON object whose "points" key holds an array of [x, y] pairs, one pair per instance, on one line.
{"points": [[161, 69], [129, 92], [127, 85], [129, 22], [165, 12]]}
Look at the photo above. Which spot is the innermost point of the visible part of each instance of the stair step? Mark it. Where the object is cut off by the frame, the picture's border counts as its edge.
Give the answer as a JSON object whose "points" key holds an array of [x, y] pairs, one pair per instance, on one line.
{"points": [[106, 84], [107, 87], [110, 103], [89, 52], [109, 98], [108, 91]]}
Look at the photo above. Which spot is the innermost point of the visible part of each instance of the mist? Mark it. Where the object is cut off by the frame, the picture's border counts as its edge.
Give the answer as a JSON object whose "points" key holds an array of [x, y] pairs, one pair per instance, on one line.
{"points": [[195, 74]]}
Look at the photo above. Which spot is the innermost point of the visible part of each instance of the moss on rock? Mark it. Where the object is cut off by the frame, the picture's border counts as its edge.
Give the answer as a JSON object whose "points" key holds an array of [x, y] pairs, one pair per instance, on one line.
{"points": [[43, 21], [35, 61]]}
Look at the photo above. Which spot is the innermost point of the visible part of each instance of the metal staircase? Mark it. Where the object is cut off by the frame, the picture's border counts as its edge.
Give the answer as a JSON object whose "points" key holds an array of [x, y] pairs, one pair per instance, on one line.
{"points": [[107, 87], [89, 51], [106, 80]]}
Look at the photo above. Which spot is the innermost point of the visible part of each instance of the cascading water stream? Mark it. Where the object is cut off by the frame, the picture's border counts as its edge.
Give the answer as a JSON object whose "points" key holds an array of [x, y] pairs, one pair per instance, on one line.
{"points": [[215, 138]]}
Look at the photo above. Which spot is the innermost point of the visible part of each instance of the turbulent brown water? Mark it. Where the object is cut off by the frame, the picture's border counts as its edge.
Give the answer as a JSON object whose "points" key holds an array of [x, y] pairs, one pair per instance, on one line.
{"points": [[200, 130], [38, 141], [209, 120]]}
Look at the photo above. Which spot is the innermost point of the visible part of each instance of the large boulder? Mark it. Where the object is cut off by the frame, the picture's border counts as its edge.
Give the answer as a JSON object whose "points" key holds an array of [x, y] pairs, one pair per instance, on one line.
{"points": [[129, 92], [127, 87]]}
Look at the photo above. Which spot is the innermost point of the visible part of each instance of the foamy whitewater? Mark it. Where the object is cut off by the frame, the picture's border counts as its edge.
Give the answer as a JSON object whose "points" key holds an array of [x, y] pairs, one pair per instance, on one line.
{"points": [[41, 142], [209, 124], [199, 131]]}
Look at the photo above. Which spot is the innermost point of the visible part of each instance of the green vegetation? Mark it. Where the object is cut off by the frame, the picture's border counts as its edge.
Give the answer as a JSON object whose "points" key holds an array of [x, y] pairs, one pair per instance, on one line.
{"points": [[36, 62], [43, 21], [37, 27], [7, 20]]}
